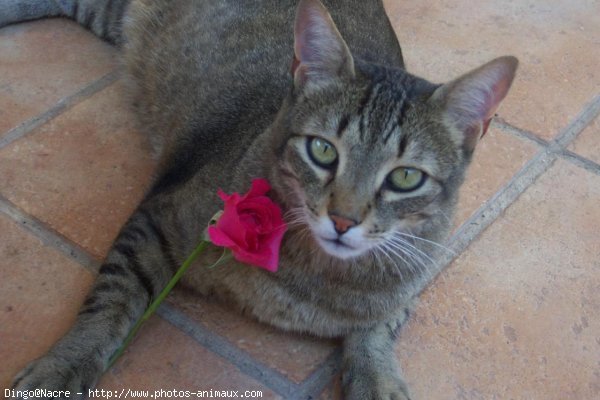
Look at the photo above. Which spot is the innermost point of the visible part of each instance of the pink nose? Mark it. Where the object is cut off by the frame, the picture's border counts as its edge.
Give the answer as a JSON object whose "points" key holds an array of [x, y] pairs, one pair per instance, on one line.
{"points": [[342, 224]]}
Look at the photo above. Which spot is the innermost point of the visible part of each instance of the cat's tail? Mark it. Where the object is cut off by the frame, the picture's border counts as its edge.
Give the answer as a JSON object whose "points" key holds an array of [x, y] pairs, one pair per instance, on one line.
{"points": [[103, 17]]}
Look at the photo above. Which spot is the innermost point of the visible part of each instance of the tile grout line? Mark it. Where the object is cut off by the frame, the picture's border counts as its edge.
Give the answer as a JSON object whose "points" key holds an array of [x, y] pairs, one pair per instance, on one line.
{"points": [[489, 212], [58, 108], [589, 112], [314, 385], [48, 235], [509, 128], [208, 339], [524, 178], [508, 194], [213, 342], [565, 137], [520, 182], [580, 161], [320, 378], [559, 145], [579, 123]]}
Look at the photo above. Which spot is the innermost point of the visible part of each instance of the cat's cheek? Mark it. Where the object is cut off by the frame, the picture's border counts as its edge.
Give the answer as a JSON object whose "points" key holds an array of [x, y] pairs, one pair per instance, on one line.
{"points": [[302, 180]]}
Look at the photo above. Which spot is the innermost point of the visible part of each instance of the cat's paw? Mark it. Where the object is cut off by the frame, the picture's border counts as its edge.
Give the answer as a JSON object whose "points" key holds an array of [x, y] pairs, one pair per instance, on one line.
{"points": [[373, 385], [57, 376]]}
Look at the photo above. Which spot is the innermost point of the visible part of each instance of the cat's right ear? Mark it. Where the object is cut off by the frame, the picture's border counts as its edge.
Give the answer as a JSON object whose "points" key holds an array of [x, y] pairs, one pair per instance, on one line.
{"points": [[469, 102], [320, 53]]}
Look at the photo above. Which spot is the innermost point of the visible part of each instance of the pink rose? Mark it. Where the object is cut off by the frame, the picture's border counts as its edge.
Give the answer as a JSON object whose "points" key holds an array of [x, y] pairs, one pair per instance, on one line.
{"points": [[251, 226]]}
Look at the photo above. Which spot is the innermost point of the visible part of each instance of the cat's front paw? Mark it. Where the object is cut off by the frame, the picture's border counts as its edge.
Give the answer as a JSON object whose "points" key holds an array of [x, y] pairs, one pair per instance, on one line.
{"points": [[57, 377], [373, 385]]}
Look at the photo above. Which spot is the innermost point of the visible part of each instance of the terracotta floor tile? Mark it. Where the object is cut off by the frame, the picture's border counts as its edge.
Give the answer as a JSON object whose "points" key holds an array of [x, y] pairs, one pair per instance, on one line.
{"points": [[497, 158], [556, 41], [333, 391], [83, 173], [295, 356], [40, 294], [516, 316], [43, 61], [587, 143], [162, 357]]}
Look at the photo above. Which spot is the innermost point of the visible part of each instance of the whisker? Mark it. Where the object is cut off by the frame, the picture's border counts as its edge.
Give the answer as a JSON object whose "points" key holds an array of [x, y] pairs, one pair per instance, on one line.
{"points": [[415, 250], [412, 258], [443, 214], [418, 254], [417, 257], [426, 241], [382, 248]]}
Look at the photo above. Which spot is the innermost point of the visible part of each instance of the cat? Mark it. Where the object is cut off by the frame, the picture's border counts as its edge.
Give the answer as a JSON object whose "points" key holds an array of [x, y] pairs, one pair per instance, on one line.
{"points": [[365, 159]]}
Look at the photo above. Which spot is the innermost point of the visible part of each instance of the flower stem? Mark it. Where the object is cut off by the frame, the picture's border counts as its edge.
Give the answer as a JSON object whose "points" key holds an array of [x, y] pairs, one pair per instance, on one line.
{"points": [[154, 305]]}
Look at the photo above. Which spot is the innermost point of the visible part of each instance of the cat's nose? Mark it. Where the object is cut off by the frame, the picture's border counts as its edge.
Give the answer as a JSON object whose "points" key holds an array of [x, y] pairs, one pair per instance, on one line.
{"points": [[342, 224]]}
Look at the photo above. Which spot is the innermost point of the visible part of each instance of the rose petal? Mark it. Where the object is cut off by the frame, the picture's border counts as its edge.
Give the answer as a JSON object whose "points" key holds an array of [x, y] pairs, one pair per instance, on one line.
{"points": [[230, 224], [266, 214], [252, 241], [219, 237], [274, 244], [259, 187], [251, 226], [252, 258]]}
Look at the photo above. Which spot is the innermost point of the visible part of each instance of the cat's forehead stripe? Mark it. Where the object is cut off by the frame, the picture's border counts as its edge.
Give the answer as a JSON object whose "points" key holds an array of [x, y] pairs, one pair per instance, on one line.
{"points": [[396, 117], [381, 112], [343, 124], [366, 108], [402, 146]]}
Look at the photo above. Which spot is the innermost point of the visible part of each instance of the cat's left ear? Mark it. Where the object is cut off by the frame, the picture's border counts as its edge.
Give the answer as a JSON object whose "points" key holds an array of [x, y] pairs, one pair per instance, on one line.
{"points": [[469, 102], [320, 53]]}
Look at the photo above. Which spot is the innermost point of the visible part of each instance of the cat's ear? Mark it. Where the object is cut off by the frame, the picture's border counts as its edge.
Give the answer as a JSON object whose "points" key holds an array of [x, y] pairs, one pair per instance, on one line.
{"points": [[469, 102], [320, 53]]}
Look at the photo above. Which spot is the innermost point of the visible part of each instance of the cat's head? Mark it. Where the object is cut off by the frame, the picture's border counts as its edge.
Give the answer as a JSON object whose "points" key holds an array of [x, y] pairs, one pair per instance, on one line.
{"points": [[370, 154]]}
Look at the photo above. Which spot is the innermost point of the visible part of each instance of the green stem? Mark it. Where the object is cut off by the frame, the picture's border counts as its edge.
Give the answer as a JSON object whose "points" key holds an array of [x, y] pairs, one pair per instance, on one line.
{"points": [[154, 305]]}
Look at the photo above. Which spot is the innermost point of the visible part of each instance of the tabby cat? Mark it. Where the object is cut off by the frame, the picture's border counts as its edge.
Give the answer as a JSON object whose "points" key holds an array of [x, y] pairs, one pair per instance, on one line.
{"points": [[364, 158]]}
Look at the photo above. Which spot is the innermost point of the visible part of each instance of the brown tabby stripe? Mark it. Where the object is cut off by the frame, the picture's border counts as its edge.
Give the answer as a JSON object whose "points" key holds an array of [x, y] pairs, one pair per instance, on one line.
{"points": [[402, 145], [156, 230], [107, 17], [112, 269], [94, 302], [92, 308], [396, 116], [136, 267], [88, 18], [75, 10], [392, 127], [343, 125], [133, 233], [361, 109]]}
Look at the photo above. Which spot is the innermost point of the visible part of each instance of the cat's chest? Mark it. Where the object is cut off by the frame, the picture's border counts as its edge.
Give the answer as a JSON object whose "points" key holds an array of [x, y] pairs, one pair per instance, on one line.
{"points": [[295, 299], [324, 305]]}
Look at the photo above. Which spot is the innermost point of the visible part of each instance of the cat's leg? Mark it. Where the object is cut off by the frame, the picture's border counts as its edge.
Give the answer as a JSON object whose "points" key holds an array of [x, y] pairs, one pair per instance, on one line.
{"points": [[103, 17], [370, 370], [13, 11], [138, 266]]}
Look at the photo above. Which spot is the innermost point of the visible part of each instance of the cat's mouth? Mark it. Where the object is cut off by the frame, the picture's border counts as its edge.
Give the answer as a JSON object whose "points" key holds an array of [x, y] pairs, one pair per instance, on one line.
{"points": [[338, 242], [337, 247]]}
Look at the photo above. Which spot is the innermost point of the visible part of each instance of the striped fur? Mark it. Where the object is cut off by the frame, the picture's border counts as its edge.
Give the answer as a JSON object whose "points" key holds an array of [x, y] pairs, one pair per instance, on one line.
{"points": [[210, 82], [103, 17]]}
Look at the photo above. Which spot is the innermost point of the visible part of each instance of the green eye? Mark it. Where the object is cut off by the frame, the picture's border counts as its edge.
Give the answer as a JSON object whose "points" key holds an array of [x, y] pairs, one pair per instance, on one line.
{"points": [[405, 179], [321, 152]]}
